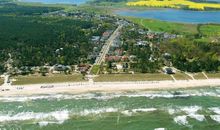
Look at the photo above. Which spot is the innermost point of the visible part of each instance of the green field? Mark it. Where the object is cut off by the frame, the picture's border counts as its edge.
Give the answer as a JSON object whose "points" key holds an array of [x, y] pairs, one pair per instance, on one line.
{"points": [[132, 77], [162, 26], [95, 69], [21, 80], [210, 30]]}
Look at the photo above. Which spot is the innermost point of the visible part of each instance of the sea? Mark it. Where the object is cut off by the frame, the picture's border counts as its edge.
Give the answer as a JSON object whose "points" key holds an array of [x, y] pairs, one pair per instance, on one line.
{"points": [[182, 109]]}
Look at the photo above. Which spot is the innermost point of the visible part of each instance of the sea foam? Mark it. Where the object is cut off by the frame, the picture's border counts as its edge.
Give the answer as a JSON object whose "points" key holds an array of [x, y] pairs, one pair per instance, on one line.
{"points": [[215, 110], [215, 118], [56, 116], [181, 120]]}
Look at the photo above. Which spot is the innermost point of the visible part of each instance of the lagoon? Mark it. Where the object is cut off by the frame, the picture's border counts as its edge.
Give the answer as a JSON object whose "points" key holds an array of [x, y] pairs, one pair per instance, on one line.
{"points": [[174, 15], [78, 2]]}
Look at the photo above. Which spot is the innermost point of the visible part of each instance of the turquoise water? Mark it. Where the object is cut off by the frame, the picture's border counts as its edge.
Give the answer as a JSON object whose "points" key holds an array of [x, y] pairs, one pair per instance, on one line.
{"points": [[58, 1], [196, 109], [173, 15]]}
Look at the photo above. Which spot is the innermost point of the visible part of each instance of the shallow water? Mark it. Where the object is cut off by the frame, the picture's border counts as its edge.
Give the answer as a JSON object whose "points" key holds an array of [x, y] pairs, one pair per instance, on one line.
{"points": [[196, 109], [174, 15]]}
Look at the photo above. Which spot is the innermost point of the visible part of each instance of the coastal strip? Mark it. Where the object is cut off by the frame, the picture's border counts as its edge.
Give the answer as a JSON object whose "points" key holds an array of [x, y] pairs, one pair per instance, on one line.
{"points": [[84, 87]]}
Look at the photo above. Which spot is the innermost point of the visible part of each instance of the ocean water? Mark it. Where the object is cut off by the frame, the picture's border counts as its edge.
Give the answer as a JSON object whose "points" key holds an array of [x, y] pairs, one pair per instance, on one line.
{"points": [[194, 109], [174, 15], [78, 2]]}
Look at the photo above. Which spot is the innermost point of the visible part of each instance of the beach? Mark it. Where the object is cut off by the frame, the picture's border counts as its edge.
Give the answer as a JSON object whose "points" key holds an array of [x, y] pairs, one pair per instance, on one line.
{"points": [[85, 87]]}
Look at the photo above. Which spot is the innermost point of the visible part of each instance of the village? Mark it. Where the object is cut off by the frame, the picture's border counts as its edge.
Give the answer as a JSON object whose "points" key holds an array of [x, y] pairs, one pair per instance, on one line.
{"points": [[118, 58]]}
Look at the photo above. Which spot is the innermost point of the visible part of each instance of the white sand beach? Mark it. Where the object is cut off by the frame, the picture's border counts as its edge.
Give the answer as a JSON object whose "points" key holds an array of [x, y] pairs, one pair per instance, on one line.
{"points": [[83, 87]]}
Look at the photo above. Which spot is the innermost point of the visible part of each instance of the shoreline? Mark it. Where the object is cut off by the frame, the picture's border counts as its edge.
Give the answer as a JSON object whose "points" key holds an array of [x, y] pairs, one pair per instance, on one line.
{"points": [[109, 87]]}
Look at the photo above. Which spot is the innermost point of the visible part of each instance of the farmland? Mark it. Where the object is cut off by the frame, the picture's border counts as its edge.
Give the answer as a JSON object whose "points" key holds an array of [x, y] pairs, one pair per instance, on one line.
{"points": [[186, 4]]}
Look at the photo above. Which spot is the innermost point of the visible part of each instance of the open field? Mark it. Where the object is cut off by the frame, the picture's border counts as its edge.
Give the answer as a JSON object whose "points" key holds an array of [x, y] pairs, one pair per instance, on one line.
{"points": [[1, 81], [181, 76], [199, 76], [213, 75], [162, 26], [210, 30], [183, 4], [21, 80], [132, 77]]}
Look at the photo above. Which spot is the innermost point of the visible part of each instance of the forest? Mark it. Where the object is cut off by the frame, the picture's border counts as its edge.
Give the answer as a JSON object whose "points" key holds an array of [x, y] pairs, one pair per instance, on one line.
{"points": [[35, 40], [193, 56]]}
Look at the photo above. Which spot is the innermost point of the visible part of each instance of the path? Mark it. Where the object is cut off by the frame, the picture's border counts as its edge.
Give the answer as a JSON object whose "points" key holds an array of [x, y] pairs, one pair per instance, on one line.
{"points": [[190, 75], [205, 75], [173, 78]]}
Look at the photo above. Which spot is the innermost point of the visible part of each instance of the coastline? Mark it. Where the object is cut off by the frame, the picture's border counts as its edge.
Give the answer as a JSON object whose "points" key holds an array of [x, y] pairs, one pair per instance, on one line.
{"points": [[85, 87]]}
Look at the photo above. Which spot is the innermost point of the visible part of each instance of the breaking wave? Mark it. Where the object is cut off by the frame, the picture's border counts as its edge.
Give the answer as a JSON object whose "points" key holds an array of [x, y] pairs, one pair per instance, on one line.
{"points": [[181, 120], [107, 96], [56, 116]]}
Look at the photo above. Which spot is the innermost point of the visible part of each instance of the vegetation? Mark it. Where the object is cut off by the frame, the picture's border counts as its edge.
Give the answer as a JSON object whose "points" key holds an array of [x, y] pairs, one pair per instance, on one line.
{"points": [[15, 9], [1, 81], [132, 77], [199, 76], [175, 4], [22, 80], [162, 26], [181, 76], [95, 69], [213, 75], [191, 56], [34, 40], [27, 38], [195, 51], [209, 30]]}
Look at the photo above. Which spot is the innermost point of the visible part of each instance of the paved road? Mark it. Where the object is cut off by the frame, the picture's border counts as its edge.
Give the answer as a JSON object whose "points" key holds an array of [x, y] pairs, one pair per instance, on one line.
{"points": [[107, 45]]}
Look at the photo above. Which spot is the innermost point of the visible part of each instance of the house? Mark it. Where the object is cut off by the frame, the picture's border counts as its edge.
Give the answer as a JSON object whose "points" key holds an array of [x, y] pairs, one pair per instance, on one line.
{"points": [[113, 58], [141, 43], [106, 34], [58, 68], [83, 68], [95, 39]]}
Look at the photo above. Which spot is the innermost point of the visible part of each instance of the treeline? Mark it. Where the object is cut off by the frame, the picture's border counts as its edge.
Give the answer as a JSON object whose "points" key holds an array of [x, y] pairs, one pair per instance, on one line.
{"points": [[14, 9]]}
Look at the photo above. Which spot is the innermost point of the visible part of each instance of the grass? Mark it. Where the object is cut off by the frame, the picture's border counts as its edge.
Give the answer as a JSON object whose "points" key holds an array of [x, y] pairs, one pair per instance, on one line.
{"points": [[210, 30], [1, 81], [162, 26], [21, 80], [199, 76], [132, 77], [95, 69], [181, 76], [213, 75]]}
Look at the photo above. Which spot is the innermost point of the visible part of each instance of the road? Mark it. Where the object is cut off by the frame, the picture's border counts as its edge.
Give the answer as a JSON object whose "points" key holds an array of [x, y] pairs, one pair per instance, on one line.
{"points": [[107, 46]]}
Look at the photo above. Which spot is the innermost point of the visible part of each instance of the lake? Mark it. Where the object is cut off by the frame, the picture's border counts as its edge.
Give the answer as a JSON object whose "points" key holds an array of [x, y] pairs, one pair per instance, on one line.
{"points": [[78, 2], [174, 15]]}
